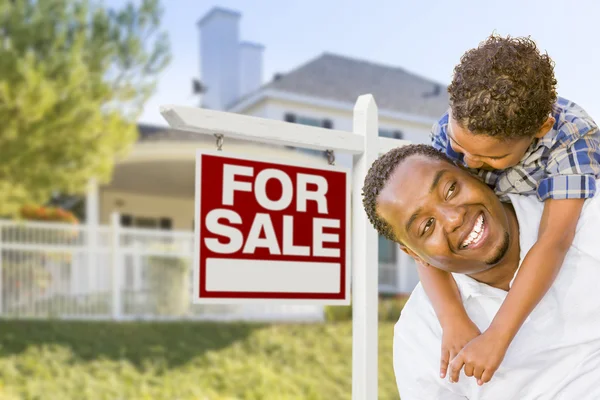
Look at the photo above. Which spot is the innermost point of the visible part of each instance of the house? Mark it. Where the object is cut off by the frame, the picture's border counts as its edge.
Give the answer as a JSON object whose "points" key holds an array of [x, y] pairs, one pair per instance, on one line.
{"points": [[154, 186]]}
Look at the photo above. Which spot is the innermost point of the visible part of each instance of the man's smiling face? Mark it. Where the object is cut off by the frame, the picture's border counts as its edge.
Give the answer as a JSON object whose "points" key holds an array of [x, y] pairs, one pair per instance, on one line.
{"points": [[445, 216]]}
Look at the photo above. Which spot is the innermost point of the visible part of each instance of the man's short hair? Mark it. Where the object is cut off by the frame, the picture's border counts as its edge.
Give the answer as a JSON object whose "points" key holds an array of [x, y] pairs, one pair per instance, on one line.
{"points": [[504, 88], [379, 174]]}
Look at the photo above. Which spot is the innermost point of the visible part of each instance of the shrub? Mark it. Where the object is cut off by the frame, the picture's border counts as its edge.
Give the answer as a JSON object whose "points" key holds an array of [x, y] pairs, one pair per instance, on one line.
{"points": [[168, 285], [389, 309]]}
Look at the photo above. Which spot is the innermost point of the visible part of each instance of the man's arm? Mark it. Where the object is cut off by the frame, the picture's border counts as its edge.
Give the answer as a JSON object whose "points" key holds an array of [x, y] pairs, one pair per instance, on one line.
{"points": [[457, 327]]}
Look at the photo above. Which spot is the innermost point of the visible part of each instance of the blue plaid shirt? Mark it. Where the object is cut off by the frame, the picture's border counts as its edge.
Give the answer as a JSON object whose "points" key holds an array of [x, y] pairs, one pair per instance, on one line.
{"points": [[564, 164]]}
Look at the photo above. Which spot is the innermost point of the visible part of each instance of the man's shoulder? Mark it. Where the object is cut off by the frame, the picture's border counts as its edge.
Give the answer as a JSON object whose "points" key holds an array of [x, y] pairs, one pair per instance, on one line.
{"points": [[417, 311]]}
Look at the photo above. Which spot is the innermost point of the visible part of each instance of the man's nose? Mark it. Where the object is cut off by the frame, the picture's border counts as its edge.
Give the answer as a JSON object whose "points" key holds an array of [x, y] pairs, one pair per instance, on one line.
{"points": [[452, 217], [473, 162]]}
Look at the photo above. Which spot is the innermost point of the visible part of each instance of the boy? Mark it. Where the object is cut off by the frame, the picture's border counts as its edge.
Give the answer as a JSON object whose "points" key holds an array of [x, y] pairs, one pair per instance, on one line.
{"points": [[507, 125]]}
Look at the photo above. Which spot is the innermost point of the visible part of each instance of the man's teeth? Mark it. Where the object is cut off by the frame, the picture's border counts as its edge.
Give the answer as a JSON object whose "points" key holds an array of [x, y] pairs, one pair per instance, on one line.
{"points": [[475, 234]]}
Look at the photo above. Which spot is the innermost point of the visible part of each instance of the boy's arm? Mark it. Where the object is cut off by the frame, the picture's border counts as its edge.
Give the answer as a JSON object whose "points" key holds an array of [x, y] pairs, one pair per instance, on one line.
{"points": [[457, 327], [482, 357], [540, 266], [572, 170], [572, 174]]}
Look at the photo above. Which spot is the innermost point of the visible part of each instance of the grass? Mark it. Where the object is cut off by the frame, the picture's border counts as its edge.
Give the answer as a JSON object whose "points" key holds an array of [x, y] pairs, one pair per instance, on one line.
{"points": [[183, 361]]}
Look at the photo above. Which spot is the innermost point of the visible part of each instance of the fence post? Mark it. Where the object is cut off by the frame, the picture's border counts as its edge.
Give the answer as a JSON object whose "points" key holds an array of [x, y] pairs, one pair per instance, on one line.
{"points": [[116, 265], [365, 263], [92, 223]]}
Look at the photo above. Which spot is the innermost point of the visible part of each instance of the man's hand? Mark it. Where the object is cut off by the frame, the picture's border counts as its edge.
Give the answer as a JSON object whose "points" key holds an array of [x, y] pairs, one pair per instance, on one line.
{"points": [[456, 335], [481, 357]]}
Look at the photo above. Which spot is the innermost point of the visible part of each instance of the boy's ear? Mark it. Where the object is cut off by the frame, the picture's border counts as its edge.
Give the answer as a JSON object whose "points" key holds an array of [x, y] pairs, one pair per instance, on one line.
{"points": [[546, 127]]}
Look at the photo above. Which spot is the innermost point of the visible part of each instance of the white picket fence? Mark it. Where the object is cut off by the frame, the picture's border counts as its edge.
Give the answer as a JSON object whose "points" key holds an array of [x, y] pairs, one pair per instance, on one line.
{"points": [[52, 270]]}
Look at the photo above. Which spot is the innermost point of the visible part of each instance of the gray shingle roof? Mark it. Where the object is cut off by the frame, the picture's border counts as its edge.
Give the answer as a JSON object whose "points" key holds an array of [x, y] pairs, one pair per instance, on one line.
{"points": [[341, 78], [156, 133]]}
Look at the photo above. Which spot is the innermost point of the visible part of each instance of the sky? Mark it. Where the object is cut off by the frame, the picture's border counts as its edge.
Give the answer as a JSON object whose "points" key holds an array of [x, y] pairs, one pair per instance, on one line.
{"points": [[426, 37]]}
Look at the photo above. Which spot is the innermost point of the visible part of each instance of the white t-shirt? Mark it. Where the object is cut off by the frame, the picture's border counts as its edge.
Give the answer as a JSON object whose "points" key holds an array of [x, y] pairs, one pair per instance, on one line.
{"points": [[556, 353]]}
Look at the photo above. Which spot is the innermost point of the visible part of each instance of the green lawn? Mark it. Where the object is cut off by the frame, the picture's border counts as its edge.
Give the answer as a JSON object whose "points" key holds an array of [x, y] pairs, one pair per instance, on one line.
{"points": [[183, 360]]}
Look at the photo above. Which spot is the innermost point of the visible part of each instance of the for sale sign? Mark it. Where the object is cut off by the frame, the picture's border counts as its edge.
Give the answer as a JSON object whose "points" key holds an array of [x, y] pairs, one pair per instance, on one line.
{"points": [[270, 231]]}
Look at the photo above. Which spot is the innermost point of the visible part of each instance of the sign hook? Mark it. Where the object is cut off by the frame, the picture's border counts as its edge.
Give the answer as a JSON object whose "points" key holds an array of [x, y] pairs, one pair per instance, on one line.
{"points": [[331, 157], [219, 141]]}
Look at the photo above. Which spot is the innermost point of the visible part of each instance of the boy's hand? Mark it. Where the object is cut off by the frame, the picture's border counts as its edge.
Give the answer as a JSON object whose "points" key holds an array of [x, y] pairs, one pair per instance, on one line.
{"points": [[481, 357], [456, 335]]}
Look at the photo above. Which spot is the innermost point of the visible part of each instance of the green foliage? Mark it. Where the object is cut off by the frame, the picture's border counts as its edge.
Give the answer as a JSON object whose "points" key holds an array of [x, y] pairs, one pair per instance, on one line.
{"points": [[169, 285], [389, 309], [183, 360], [74, 77]]}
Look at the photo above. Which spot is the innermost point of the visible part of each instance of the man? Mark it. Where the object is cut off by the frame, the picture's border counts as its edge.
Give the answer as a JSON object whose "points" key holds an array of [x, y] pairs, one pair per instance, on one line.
{"points": [[448, 219]]}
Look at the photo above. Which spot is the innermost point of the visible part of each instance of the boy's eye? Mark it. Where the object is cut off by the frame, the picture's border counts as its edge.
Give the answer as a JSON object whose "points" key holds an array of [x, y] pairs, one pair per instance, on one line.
{"points": [[451, 190]]}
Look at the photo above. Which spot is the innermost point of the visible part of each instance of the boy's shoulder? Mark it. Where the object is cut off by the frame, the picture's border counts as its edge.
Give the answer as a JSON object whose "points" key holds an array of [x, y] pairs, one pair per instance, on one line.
{"points": [[572, 122], [440, 124], [437, 134]]}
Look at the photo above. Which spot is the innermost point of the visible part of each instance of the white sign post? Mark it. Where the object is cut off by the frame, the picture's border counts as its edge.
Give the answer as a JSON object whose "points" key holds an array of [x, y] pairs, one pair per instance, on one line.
{"points": [[365, 145], [365, 261]]}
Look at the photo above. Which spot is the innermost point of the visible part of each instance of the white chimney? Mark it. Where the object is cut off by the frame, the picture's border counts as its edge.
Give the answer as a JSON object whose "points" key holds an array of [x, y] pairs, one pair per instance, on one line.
{"points": [[220, 57], [251, 67]]}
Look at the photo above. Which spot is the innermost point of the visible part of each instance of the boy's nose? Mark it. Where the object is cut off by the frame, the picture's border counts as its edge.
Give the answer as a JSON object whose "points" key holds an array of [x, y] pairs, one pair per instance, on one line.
{"points": [[472, 162]]}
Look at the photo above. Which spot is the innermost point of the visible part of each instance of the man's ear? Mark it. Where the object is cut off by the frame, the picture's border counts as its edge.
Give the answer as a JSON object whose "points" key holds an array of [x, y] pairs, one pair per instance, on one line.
{"points": [[412, 254]]}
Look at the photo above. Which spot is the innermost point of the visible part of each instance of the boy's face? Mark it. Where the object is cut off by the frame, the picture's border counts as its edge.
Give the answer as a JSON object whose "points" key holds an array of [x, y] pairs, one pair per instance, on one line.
{"points": [[487, 152]]}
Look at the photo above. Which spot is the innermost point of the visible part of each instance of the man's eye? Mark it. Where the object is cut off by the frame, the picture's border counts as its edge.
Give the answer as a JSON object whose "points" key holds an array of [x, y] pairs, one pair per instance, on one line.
{"points": [[427, 226], [451, 191]]}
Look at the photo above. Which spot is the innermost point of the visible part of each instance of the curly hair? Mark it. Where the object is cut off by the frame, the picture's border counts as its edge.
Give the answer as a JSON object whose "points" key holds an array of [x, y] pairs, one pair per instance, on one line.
{"points": [[379, 174], [504, 88]]}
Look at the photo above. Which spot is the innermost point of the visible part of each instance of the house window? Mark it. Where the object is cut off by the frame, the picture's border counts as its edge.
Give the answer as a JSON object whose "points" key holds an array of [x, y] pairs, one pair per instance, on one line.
{"points": [[166, 224], [389, 133], [310, 121], [146, 222], [387, 251], [388, 269], [126, 220]]}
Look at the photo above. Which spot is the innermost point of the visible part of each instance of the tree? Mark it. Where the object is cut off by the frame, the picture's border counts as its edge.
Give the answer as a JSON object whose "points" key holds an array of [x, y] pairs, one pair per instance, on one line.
{"points": [[74, 77]]}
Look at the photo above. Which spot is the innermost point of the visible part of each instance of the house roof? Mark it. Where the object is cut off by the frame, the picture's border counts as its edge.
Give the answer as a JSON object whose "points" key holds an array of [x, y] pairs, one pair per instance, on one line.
{"points": [[335, 77], [340, 78], [156, 133]]}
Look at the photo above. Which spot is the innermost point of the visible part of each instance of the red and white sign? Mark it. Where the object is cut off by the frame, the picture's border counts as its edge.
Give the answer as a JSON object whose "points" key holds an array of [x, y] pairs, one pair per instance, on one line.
{"points": [[270, 231]]}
